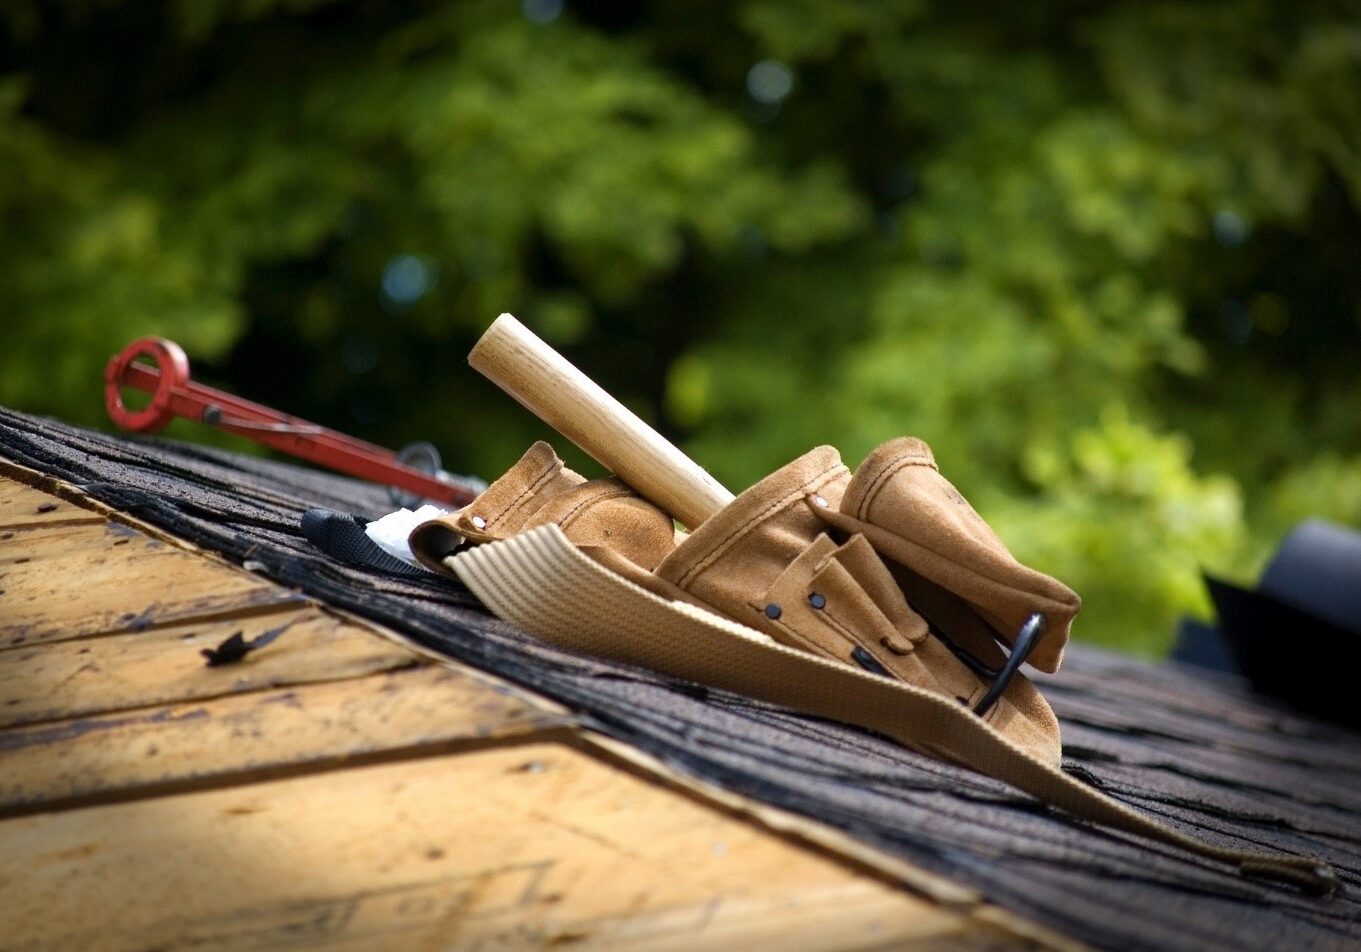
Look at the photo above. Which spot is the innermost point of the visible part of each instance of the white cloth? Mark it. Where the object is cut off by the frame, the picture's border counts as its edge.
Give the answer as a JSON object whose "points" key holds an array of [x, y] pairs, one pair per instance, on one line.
{"points": [[391, 532]]}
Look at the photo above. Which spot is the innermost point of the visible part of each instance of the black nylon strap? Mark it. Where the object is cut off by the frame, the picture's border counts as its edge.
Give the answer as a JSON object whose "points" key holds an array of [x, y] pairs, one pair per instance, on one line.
{"points": [[342, 537]]}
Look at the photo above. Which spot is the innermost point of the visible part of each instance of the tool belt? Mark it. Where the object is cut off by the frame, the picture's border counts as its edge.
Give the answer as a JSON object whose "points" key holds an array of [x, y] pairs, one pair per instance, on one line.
{"points": [[879, 598]]}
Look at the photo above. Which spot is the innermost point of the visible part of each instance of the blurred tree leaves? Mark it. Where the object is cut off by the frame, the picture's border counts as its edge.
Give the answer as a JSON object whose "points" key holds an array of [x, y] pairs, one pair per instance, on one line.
{"points": [[1103, 259]]}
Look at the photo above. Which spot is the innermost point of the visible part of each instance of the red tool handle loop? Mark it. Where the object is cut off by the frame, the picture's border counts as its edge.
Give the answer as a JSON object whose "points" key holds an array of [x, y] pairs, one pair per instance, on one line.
{"points": [[174, 374]]}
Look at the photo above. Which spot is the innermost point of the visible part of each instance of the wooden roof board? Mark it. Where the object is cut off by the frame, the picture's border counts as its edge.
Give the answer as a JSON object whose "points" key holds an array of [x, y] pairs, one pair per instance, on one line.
{"points": [[339, 790], [1199, 751]]}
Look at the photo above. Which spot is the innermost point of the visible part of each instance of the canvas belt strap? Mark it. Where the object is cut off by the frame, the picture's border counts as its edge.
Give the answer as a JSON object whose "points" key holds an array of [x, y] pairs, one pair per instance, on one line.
{"points": [[543, 583]]}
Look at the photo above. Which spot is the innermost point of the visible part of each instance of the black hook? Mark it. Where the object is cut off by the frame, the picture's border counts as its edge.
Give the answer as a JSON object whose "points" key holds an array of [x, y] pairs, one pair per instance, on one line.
{"points": [[998, 678]]}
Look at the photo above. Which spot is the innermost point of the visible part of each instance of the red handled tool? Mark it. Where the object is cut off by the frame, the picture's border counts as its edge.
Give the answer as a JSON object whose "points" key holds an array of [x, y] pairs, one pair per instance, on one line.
{"points": [[173, 395]]}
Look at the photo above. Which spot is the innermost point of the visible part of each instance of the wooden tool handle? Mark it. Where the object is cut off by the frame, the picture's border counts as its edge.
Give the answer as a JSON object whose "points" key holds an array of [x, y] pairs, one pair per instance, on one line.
{"points": [[510, 356]]}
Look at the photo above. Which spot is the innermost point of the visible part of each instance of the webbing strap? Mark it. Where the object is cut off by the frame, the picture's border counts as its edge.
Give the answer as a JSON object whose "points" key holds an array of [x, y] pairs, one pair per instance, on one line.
{"points": [[342, 537], [544, 584]]}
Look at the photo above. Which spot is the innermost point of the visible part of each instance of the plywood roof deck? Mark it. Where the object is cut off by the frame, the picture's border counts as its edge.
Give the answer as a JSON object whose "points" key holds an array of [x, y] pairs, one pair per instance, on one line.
{"points": [[338, 789]]}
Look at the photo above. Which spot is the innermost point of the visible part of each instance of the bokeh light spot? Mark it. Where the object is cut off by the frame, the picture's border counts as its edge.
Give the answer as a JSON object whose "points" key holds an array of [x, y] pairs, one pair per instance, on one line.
{"points": [[406, 279], [769, 82], [541, 11], [1230, 229]]}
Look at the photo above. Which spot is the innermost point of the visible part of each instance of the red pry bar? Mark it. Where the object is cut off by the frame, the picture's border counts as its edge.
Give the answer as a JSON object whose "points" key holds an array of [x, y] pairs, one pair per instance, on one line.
{"points": [[173, 395]]}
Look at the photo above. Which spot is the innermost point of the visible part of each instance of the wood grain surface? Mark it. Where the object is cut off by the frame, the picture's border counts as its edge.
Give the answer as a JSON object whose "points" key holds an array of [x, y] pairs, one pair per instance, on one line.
{"points": [[22, 507], [253, 734], [72, 581], [524, 846], [335, 789], [87, 676]]}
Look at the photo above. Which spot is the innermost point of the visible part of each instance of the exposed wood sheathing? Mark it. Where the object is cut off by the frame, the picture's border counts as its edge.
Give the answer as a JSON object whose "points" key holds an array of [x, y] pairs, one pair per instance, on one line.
{"points": [[339, 790], [1200, 752]]}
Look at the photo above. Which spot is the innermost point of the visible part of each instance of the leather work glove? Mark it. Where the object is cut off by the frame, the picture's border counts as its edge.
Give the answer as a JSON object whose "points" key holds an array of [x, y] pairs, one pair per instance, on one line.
{"points": [[540, 490], [938, 544]]}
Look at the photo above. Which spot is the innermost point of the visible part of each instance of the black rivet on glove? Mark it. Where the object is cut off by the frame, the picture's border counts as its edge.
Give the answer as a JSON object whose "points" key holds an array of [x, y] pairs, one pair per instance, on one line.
{"points": [[773, 611], [817, 601]]}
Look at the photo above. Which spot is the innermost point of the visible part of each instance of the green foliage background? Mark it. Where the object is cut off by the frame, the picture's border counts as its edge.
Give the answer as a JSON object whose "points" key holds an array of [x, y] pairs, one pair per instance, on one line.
{"points": [[1104, 258]]}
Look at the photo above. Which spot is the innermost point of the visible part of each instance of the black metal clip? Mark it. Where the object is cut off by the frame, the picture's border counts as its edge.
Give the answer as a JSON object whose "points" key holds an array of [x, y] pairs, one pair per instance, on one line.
{"points": [[998, 678]]}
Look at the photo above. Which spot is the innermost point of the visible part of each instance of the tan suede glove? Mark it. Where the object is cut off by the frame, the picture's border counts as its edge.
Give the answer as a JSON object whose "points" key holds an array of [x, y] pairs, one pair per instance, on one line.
{"points": [[539, 490], [915, 518], [770, 561]]}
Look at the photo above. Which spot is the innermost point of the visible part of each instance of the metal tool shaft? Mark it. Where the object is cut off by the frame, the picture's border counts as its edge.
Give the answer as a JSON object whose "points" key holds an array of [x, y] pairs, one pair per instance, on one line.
{"points": [[173, 395]]}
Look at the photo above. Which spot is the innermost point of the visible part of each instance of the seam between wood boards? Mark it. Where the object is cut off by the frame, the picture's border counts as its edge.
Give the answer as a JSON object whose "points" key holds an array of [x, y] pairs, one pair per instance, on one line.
{"points": [[789, 827], [208, 698], [249, 776], [52, 523], [175, 621], [500, 685]]}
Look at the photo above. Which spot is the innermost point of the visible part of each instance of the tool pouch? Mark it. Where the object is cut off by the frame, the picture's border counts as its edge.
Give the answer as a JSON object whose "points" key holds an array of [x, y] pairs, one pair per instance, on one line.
{"points": [[772, 561], [540, 490], [784, 559]]}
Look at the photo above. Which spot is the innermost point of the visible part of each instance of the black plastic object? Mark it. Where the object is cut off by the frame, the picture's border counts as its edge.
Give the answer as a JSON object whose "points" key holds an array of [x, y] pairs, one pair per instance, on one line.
{"points": [[342, 537], [869, 662], [998, 678], [1200, 643], [1297, 637], [1318, 569], [236, 647]]}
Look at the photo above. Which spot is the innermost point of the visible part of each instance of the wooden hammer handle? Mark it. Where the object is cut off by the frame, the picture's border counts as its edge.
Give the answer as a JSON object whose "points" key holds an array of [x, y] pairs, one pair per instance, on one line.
{"points": [[541, 379]]}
